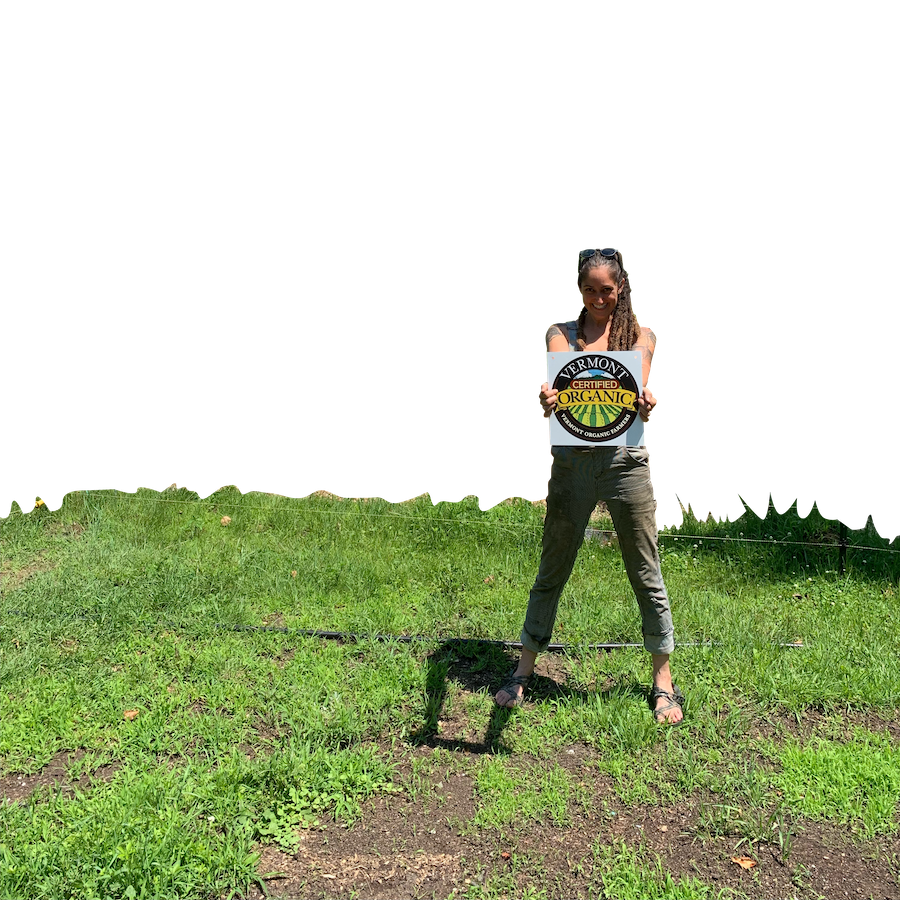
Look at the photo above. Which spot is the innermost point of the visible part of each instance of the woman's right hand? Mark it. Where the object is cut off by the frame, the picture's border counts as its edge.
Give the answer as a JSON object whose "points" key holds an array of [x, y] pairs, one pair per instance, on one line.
{"points": [[547, 397]]}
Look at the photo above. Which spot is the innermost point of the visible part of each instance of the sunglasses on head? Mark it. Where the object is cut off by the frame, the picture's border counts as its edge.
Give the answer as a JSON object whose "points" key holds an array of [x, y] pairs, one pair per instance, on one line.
{"points": [[585, 255]]}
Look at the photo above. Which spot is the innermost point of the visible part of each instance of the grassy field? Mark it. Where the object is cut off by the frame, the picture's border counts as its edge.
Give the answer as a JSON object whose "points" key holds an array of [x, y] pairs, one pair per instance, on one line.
{"points": [[168, 729]]}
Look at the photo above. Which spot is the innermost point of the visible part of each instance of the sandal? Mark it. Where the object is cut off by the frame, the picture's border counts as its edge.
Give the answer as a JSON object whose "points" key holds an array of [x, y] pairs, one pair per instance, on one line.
{"points": [[675, 698], [513, 681]]}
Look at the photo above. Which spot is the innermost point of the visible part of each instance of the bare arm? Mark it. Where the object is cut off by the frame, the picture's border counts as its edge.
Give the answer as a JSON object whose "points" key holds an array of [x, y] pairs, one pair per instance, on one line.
{"points": [[557, 341], [646, 343]]}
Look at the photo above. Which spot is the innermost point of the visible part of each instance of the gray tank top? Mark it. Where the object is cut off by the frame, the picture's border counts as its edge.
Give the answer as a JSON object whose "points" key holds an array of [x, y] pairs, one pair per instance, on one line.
{"points": [[572, 334]]}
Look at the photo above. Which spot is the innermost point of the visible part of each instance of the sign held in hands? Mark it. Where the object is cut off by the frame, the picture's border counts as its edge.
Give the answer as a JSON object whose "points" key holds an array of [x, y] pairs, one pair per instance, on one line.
{"points": [[597, 400]]}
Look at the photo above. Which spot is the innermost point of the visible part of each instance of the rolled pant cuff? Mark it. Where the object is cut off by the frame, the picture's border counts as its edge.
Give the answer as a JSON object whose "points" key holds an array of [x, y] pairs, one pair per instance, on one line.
{"points": [[659, 644], [529, 643]]}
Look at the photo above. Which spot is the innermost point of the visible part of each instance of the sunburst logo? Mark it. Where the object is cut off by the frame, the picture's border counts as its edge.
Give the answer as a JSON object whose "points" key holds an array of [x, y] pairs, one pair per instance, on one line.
{"points": [[597, 397]]}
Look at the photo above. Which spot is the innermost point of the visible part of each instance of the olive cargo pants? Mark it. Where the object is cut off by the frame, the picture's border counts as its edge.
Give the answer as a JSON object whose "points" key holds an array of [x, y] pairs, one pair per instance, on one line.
{"points": [[579, 479]]}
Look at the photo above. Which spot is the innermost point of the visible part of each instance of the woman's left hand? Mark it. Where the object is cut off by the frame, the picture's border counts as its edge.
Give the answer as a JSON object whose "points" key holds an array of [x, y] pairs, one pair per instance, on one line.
{"points": [[645, 404]]}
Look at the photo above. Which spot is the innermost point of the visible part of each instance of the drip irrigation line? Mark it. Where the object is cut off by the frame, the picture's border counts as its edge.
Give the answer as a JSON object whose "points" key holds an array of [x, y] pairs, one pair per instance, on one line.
{"points": [[356, 638], [352, 637]]}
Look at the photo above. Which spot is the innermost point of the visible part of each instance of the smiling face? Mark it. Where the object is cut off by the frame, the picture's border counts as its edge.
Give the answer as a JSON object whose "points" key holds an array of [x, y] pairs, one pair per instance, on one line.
{"points": [[600, 293]]}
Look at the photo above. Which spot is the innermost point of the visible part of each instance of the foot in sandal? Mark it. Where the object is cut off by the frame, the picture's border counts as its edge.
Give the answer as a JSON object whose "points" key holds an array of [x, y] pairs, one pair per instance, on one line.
{"points": [[512, 693]]}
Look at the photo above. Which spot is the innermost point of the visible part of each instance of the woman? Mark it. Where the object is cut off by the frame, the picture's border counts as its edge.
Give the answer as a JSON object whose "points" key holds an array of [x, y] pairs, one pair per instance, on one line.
{"points": [[582, 476]]}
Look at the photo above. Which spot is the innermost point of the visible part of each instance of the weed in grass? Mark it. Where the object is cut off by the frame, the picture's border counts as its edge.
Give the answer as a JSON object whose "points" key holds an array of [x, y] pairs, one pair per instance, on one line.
{"points": [[686, 768], [801, 876], [629, 731], [620, 874], [783, 833], [299, 784], [143, 836], [502, 887], [524, 877], [428, 774], [718, 819], [758, 825], [750, 810]]}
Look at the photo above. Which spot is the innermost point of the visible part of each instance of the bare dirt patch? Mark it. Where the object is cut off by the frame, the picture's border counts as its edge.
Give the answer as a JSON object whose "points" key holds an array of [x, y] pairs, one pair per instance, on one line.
{"points": [[11, 578], [822, 861], [17, 788], [400, 848], [424, 847], [837, 726], [72, 530]]}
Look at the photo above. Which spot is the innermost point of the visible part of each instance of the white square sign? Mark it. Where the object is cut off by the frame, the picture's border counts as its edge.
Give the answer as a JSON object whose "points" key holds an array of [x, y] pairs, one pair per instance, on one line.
{"points": [[596, 404]]}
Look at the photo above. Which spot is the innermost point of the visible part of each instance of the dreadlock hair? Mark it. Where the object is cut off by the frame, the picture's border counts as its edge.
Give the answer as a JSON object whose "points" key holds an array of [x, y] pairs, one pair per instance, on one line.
{"points": [[624, 329]]}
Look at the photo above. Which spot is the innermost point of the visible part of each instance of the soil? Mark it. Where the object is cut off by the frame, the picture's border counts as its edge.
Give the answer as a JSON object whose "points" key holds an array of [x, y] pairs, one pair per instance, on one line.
{"points": [[403, 848], [416, 847], [18, 788], [420, 841]]}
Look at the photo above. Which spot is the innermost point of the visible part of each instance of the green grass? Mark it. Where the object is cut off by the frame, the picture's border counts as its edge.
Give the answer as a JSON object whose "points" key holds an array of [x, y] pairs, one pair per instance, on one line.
{"points": [[855, 783], [247, 732], [620, 874], [512, 793]]}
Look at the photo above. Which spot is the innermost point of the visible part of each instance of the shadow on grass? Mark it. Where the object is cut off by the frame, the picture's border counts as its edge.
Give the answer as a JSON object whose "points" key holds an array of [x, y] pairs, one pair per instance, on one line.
{"points": [[479, 665], [474, 665]]}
